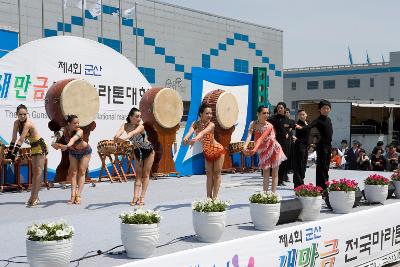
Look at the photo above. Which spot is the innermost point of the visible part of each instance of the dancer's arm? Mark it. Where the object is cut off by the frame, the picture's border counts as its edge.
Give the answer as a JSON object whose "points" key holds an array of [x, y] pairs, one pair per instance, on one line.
{"points": [[120, 132], [210, 127], [138, 130], [248, 138], [189, 134], [11, 154], [78, 135], [261, 139]]}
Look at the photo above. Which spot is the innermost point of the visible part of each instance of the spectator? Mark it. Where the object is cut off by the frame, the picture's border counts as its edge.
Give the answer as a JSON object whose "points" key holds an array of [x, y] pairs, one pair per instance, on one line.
{"points": [[335, 159], [312, 156], [352, 155], [363, 162], [379, 146], [378, 161], [392, 159], [342, 152]]}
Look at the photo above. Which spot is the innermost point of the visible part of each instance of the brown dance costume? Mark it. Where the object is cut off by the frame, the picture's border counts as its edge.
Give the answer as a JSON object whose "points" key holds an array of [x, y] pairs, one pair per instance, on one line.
{"points": [[212, 150]]}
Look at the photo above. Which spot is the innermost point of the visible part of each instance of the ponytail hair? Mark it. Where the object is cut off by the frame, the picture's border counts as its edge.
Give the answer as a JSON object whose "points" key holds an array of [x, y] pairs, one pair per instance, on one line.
{"points": [[70, 117], [131, 112]]}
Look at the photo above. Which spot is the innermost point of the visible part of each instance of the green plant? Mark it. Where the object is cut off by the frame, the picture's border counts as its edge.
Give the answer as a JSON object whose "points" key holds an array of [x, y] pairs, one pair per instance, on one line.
{"points": [[210, 205], [265, 198], [50, 231], [140, 216]]}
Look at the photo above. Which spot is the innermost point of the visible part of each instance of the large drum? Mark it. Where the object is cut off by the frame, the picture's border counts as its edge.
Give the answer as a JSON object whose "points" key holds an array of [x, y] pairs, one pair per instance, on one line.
{"points": [[163, 106], [224, 107], [72, 96]]}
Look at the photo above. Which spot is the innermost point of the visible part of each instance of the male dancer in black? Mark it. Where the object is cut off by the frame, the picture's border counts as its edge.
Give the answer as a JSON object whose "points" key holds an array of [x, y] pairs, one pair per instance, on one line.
{"points": [[324, 146], [281, 125], [300, 149]]}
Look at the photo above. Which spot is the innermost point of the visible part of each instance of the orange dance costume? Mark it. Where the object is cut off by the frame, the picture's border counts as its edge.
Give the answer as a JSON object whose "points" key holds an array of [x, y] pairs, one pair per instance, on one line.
{"points": [[269, 150], [212, 149]]}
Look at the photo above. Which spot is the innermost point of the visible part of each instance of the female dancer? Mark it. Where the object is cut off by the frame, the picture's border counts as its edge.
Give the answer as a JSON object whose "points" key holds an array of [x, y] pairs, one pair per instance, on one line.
{"points": [[143, 151], [214, 152], [79, 156], [28, 131], [270, 151]]}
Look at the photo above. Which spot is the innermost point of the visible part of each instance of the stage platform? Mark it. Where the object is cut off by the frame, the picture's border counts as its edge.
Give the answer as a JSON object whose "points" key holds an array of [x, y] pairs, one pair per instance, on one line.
{"points": [[97, 226]]}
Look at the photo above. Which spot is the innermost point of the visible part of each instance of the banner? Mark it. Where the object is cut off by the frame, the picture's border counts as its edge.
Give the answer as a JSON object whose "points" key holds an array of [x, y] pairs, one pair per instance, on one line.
{"points": [[190, 160], [361, 239], [29, 71]]}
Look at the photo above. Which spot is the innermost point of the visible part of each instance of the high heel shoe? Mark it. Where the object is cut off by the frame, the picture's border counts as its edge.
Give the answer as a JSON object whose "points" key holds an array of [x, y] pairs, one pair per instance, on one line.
{"points": [[33, 203], [72, 200], [134, 202], [141, 201], [77, 199]]}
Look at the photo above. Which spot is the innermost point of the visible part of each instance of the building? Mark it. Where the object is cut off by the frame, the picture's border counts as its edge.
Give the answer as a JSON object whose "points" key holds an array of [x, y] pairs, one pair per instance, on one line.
{"points": [[164, 41], [374, 82]]}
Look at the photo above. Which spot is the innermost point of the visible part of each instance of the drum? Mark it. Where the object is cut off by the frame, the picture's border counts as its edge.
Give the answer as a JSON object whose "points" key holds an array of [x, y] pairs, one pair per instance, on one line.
{"points": [[123, 147], [236, 147], [224, 107], [106, 147], [24, 153], [72, 96], [163, 106]]}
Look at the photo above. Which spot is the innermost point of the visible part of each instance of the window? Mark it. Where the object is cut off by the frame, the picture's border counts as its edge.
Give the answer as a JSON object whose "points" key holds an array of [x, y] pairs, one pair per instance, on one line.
{"points": [[371, 82], [294, 105], [293, 86], [329, 84], [312, 85], [9, 41], [391, 81], [353, 83], [241, 65]]}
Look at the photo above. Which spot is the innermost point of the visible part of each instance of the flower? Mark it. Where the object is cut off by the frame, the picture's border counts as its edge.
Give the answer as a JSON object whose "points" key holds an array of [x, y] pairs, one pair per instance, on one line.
{"points": [[376, 179], [342, 185], [210, 205], [308, 190], [265, 197], [140, 216], [50, 231], [395, 176]]}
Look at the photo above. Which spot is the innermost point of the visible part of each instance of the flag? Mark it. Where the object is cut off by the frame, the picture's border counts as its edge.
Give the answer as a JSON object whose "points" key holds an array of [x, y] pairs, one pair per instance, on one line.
{"points": [[74, 3], [128, 13], [350, 56], [368, 61], [95, 10]]}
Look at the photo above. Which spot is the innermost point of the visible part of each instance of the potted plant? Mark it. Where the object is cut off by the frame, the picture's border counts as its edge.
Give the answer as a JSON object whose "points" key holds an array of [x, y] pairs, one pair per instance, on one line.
{"points": [[310, 198], [396, 181], [140, 232], [265, 209], [376, 188], [342, 194], [209, 218], [49, 244]]}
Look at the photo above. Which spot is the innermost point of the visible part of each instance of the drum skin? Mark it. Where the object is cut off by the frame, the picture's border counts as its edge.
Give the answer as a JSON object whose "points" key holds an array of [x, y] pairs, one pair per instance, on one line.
{"points": [[161, 106], [52, 102]]}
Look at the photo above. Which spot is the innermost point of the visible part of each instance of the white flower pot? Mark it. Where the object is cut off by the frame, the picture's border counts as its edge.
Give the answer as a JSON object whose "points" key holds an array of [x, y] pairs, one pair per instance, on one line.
{"points": [[265, 216], [341, 201], [376, 193], [397, 190], [209, 226], [311, 207], [139, 240], [49, 253]]}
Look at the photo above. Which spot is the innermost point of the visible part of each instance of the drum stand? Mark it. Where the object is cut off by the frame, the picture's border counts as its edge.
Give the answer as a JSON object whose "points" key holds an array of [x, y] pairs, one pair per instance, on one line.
{"points": [[103, 158]]}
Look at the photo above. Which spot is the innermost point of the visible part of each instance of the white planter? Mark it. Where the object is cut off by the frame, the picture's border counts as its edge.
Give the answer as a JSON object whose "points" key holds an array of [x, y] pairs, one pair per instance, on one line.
{"points": [[376, 193], [139, 240], [311, 207], [341, 201], [397, 190], [49, 253], [209, 226], [265, 216]]}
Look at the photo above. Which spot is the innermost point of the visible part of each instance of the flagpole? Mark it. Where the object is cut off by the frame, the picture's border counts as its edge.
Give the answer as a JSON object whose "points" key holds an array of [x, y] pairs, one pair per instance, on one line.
{"points": [[83, 18], [42, 19], [119, 26], [63, 19], [136, 39], [101, 25], [19, 22]]}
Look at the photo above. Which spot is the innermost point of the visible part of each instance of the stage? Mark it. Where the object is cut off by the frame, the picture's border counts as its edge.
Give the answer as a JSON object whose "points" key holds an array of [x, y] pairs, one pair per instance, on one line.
{"points": [[97, 226]]}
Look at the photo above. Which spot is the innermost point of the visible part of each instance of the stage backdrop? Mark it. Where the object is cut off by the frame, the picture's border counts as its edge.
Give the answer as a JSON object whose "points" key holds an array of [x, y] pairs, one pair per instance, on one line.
{"points": [[191, 160], [28, 72]]}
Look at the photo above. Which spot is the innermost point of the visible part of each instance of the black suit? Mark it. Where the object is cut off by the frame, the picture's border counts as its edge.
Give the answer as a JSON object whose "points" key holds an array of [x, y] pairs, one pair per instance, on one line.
{"points": [[300, 154]]}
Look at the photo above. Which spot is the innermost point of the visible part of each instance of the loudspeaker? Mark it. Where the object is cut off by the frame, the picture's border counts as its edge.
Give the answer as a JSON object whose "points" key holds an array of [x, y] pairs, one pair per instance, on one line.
{"points": [[290, 210], [358, 195]]}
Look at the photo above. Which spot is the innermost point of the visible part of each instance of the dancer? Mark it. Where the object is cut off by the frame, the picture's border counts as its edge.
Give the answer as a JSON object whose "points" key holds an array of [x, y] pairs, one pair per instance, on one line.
{"points": [[214, 152], [270, 151], [28, 131], [79, 156], [143, 153], [300, 150]]}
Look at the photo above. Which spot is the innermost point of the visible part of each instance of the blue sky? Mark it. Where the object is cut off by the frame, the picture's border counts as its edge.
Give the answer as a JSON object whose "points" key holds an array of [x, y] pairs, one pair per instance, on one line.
{"points": [[318, 32]]}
